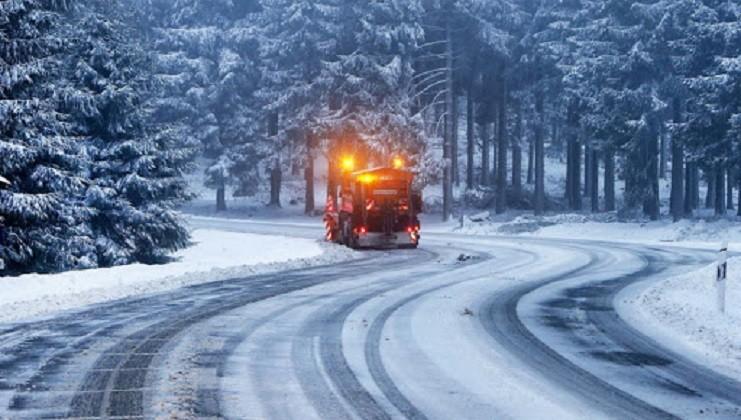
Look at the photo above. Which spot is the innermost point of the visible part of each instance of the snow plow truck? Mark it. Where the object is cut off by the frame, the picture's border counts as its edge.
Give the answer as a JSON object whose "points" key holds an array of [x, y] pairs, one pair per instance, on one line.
{"points": [[374, 208]]}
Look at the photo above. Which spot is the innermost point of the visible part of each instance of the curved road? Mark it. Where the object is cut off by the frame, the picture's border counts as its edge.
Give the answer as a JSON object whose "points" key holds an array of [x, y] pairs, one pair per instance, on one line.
{"points": [[461, 328]]}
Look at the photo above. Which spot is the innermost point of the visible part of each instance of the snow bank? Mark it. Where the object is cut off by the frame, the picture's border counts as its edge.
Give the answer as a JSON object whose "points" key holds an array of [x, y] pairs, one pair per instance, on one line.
{"points": [[604, 227], [681, 312], [216, 255]]}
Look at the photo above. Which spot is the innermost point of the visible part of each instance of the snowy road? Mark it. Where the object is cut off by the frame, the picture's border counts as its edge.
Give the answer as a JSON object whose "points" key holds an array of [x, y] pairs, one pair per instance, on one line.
{"points": [[461, 328]]}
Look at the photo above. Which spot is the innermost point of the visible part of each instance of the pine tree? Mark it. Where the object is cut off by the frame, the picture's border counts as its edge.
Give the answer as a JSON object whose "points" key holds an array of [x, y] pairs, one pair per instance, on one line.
{"points": [[543, 57], [712, 71], [242, 138], [136, 165], [620, 79], [296, 38], [372, 80], [45, 220], [203, 59]]}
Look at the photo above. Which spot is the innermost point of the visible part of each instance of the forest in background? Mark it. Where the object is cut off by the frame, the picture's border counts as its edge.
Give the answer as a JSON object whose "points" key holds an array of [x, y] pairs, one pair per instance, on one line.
{"points": [[104, 106]]}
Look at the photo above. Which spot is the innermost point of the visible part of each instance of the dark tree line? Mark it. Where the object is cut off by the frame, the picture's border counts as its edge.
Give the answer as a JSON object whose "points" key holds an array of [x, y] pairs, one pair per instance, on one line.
{"points": [[618, 90]]}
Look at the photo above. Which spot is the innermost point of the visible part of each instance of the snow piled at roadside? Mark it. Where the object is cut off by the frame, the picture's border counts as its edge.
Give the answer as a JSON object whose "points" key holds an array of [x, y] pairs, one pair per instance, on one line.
{"points": [[604, 227], [215, 256], [682, 313]]}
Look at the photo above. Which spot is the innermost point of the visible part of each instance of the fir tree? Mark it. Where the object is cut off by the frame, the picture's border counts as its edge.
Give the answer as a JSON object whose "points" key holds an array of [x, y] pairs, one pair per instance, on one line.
{"points": [[136, 165], [45, 220]]}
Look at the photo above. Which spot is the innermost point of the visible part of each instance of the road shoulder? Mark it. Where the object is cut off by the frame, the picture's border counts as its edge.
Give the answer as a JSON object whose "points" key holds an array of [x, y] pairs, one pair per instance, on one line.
{"points": [[681, 313], [215, 256]]}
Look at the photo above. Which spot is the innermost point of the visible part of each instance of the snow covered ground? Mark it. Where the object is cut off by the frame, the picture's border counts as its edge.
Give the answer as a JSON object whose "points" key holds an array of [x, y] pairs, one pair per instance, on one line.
{"points": [[679, 312], [603, 227], [215, 255], [682, 313]]}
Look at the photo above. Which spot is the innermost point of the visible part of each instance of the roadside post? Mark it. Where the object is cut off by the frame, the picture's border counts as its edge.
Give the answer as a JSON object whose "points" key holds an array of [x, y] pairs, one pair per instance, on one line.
{"points": [[721, 275]]}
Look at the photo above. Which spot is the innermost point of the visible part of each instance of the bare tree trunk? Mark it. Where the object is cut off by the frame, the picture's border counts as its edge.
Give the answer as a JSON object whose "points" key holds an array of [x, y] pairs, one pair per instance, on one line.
{"points": [[576, 178], [609, 179], [221, 197], [651, 199], [569, 191], [677, 193], [501, 196], [688, 192], [276, 176], [695, 186], [720, 191], [454, 148], [587, 168], [448, 138], [573, 178], [539, 156], [710, 195], [594, 181], [663, 152], [494, 150], [738, 180], [556, 139], [517, 158], [485, 154], [516, 173], [276, 181], [677, 206], [309, 204], [730, 183], [530, 162], [470, 141]]}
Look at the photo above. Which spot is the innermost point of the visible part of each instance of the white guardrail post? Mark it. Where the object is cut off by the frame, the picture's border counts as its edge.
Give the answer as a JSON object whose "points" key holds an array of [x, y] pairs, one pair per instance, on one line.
{"points": [[720, 277]]}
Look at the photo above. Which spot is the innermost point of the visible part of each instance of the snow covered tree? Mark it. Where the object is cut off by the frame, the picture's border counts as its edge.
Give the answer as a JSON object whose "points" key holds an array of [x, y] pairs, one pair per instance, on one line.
{"points": [[204, 62], [45, 220], [372, 80], [712, 78], [618, 79], [136, 165], [467, 44], [296, 38], [544, 53]]}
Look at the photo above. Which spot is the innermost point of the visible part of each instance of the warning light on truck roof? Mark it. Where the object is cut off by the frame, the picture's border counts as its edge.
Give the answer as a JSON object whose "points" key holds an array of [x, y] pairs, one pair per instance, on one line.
{"points": [[398, 163], [366, 178], [348, 164]]}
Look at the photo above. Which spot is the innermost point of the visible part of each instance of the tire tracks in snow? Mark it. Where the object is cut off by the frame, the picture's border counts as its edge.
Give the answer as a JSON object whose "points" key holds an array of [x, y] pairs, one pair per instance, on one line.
{"points": [[679, 374], [596, 299], [134, 331], [501, 320], [319, 346]]}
